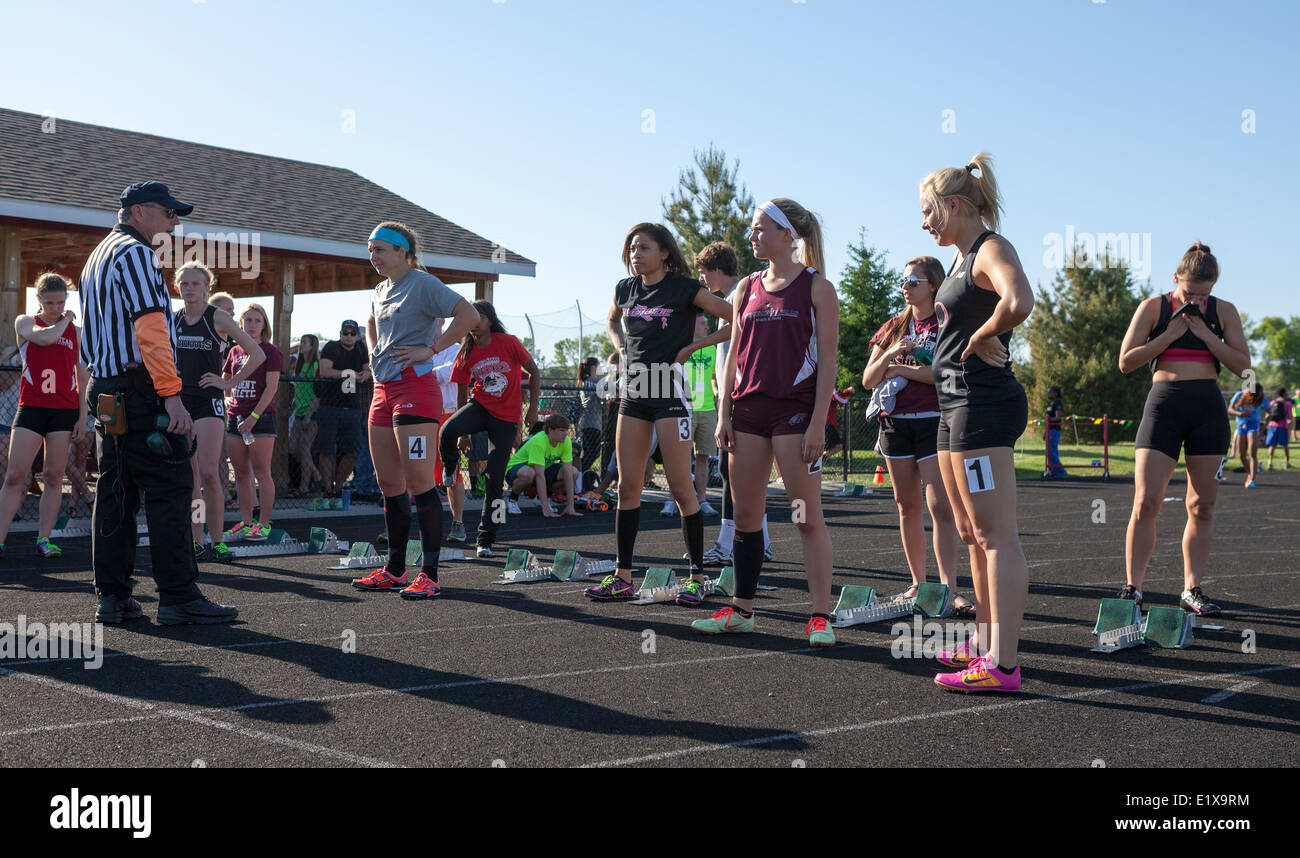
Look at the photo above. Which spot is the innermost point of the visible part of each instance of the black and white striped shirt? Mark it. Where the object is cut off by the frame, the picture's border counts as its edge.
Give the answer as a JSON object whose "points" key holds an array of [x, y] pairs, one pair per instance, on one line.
{"points": [[120, 283]]}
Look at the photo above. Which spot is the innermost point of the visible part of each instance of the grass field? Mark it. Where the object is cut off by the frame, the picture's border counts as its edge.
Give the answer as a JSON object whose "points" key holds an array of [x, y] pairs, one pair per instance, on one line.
{"points": [[1029, 460]]}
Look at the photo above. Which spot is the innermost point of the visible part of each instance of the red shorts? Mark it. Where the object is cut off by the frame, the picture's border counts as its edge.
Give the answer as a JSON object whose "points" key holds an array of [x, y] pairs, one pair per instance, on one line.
{"points": [[412, 395], [762, 415]]}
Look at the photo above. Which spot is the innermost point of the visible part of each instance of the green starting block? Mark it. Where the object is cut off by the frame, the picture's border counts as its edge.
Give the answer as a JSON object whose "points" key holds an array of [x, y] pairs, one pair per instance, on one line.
{"points": [[858, 604], [323, 541], [522, 567], [1170, 628], [1120, 626], [853, 490]]}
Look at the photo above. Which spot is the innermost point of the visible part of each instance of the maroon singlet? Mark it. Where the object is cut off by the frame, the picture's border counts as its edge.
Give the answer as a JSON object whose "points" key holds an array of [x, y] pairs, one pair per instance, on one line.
{"points": [[776, 353]]}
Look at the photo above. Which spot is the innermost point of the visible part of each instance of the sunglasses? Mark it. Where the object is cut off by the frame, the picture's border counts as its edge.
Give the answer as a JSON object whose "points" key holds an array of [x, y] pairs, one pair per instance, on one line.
{"points": [[169, 212], [350, 333], [912, 280]]}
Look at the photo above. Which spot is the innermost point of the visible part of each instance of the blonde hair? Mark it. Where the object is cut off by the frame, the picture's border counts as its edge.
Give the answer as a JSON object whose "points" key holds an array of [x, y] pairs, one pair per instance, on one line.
{"points": [[980, 192], [220, 296], [195, 265], [810, 233], [266, 320]]}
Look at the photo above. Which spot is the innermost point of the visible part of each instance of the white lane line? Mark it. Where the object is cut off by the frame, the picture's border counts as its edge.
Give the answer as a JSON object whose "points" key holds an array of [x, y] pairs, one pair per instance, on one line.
{"points": [[908, 719], [196, 718], [1220, 696]]}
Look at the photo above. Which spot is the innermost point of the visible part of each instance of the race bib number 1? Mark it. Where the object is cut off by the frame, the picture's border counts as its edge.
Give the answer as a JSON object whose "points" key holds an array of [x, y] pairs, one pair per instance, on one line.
{"points": [[979, 475]]}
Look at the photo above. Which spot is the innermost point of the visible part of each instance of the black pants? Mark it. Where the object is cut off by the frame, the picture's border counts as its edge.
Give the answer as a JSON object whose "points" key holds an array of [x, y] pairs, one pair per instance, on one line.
{"points": [[128, 467], [501, 438]]}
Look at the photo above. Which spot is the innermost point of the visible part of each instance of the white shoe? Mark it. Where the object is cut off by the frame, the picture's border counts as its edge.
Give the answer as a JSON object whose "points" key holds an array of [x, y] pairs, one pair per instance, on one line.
{"points": [[715, 556], [708, 510], [483, 551], [513, 508], [767, 554], [669, 510]]}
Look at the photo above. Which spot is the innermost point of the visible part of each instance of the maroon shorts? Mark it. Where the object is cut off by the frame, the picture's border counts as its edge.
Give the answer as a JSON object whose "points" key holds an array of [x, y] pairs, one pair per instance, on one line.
{"points": [[762, 415], [409, 399]]}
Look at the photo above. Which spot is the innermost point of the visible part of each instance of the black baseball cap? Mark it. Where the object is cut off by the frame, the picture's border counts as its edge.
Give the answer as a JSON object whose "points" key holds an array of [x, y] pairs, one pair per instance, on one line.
{"points": [[349, 325], [153, 192]]}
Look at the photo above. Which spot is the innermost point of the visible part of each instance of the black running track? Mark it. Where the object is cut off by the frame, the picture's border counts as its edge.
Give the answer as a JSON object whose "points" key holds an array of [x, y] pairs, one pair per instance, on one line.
{"points": [[532, 675]]}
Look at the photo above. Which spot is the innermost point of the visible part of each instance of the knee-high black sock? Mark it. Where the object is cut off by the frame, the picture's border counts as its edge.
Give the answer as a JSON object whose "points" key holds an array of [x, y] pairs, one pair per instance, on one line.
{"points": [[397, 515], [429, 510], [626, 524], [747, 555], [693, 533]]}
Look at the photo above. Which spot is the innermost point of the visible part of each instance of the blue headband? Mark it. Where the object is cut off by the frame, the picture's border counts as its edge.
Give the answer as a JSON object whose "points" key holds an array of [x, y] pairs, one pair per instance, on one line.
{"points": [[391, 236]]}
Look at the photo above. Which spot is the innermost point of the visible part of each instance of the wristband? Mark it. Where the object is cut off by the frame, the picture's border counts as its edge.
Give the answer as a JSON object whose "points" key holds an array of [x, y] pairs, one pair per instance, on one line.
{"points": [[254, 415]]}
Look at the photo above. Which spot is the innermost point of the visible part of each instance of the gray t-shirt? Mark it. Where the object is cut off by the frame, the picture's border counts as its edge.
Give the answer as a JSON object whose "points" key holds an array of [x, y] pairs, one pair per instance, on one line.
{"points": [[405, 315]]}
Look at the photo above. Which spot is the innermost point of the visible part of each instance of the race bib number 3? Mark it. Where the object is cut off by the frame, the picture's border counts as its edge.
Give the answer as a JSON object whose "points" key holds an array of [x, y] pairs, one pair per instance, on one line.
{"points": [[415, 447], [979, 475], [684, 428]]}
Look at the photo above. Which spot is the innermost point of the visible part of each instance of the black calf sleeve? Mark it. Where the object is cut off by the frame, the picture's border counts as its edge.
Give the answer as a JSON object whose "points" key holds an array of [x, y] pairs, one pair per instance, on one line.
{"points": [[626, 524], [397, 516], [429, 510], [693, 534], [728, 514], [747, 554]]}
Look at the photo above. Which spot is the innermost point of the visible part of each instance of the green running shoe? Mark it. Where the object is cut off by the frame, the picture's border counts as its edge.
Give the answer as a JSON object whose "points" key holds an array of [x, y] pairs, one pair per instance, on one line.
{"points": [[45, 548], [725, 620], [221, 553], [819, 632]]}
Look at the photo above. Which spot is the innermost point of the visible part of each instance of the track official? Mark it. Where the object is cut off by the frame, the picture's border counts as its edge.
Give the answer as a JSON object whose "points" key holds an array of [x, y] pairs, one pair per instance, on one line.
{"points": [[129, 345]]}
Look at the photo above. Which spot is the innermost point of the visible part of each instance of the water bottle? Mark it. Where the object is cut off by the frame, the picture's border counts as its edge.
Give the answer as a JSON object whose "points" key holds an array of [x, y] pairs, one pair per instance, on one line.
{"points": [[347, 497], [248, 439]]}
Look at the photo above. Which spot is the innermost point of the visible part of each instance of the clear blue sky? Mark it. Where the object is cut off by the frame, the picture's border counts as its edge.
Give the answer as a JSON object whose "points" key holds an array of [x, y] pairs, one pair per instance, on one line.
{"points": [[523, 120]]}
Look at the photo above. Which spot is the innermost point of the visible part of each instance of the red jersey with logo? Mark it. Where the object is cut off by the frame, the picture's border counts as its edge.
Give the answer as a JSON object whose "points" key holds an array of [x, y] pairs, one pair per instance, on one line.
{"points": [[50, 372], [493, 373], [776, 352]]}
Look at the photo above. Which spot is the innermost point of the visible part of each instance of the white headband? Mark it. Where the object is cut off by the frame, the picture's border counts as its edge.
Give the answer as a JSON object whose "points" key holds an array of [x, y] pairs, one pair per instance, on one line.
{"points": [[774, 212]]}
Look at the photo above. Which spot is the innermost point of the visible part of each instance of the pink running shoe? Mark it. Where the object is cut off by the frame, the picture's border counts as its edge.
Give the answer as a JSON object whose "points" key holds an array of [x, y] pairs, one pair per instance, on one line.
{"points": [[958, 659], [981, 675]]}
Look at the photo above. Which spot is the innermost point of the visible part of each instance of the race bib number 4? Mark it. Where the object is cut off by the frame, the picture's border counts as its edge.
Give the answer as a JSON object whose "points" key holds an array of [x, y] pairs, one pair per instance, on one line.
{"points": [[416, 448]]}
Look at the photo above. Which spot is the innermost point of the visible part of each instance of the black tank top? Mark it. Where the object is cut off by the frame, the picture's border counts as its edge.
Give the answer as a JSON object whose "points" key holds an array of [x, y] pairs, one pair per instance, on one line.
{"points": [[1188, 341], [198, 350], [963, 308]]}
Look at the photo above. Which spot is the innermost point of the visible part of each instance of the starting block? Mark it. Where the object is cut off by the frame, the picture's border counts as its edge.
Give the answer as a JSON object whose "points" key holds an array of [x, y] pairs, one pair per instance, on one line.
{"points": [[521, 567], [362, 555], [858, 604], [853, 490], [661, 585], [65, 528], [1120, 626]]}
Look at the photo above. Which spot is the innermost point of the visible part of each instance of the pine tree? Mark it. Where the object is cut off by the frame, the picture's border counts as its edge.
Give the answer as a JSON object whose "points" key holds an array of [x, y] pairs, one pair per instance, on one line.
{"points": [[869, 297], [712, 205], [1074, 338]]}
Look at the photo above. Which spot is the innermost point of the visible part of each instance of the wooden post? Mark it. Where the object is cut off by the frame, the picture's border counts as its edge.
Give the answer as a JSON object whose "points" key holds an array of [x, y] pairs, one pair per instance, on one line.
{"points": [[483, 290], [11, 283], [283, 312]]}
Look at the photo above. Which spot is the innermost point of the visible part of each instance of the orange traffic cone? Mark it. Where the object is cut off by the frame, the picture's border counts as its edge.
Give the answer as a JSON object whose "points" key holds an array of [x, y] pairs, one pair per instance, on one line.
{"points": [[880, 475]]}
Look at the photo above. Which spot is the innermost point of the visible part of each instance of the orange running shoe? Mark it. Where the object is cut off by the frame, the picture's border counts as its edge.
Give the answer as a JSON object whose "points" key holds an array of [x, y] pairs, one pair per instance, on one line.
{"points": [[423, 587], [380, 580]]}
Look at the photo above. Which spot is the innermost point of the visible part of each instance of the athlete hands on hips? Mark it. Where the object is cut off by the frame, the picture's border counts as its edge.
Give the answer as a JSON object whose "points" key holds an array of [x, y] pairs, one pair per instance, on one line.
{"points": [[983, 411]]}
